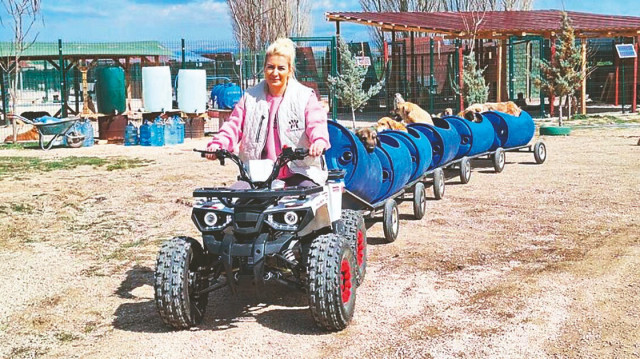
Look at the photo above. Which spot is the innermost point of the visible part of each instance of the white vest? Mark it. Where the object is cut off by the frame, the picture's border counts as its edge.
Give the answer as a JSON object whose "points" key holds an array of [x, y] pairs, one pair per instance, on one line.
{"points": [[291, 127]]}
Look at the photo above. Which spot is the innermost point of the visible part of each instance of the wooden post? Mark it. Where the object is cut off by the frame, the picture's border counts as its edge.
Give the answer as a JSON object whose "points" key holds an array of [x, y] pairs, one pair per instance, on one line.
{"points": [[499, 81], [634, 101], [552, 96], [583, 95], [460, 80]]}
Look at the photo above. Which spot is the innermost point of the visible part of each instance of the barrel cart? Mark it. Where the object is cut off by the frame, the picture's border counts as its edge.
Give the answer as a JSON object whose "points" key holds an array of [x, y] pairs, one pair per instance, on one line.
{"points": [[404, 163]]}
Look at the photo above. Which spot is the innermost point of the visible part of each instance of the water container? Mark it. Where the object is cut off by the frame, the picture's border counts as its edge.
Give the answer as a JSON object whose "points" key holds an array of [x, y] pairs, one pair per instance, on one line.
{"points": [[229, 95], [130, 135], [444, 139], [170, 132], [418, 146], [395, 160], [157, 132], [363, 170], [180, 128], [87, 131], [156, 88], [475, 136], [110, 90], [145, 134], [192, 90], [215, 94], [511, 131]]}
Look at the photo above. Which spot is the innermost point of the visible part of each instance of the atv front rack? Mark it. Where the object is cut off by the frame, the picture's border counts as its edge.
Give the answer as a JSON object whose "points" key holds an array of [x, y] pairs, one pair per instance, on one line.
{"points": [[213, 192]]}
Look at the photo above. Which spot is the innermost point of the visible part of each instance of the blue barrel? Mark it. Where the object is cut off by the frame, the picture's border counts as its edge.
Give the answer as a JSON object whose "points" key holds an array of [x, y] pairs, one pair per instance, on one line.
{"points": [[475, 136], [419, 147], [395, 160], [363, 171], [444, 139], [511, 131], [229, 95], [215, 93]]}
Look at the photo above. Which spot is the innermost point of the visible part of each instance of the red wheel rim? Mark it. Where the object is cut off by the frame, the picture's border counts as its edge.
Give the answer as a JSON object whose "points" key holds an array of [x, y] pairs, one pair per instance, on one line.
{"points": [[360, 249], [345, 280]]}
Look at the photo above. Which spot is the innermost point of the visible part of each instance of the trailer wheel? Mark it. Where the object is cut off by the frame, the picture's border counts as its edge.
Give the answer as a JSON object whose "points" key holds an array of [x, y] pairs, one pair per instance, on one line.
{"points": [[391, 220], [438, 183], [540, 152], [465, 170], [177, 281], [331, 271], [498, 159], [419, 201], [355, 232]]}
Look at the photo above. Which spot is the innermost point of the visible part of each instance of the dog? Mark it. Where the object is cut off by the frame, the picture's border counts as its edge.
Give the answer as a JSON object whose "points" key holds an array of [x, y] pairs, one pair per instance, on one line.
{"points": [[30, 135], [387, 123], [507, 107], [369, 138], [447, 112], [412, 113]]}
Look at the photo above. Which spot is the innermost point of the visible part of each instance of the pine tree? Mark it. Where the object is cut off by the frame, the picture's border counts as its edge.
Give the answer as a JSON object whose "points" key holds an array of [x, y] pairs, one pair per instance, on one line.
{"points": [[475, 88], [348, 84], [563, 76]]}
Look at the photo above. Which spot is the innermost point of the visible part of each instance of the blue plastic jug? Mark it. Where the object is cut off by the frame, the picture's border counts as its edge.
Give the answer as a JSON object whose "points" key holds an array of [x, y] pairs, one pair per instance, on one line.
{"points": [[179, 128], [145, 134], [87, 131], [157, 132], [130, 135]]}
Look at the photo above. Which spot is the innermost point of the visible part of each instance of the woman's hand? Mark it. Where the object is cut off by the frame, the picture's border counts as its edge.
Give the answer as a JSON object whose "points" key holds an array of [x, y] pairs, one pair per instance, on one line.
{"points": [[317, 148], [212, 148]]}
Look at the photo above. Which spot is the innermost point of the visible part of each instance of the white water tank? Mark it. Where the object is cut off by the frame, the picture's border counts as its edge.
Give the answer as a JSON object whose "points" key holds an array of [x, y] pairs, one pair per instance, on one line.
{"points": [[192, 91], [156, 88]]}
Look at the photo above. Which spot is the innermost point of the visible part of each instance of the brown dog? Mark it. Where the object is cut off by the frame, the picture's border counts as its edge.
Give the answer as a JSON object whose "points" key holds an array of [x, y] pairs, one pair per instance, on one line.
{"points": [[30, 135], [507, 107], [369, 138], [387, 123], [412, 113]]}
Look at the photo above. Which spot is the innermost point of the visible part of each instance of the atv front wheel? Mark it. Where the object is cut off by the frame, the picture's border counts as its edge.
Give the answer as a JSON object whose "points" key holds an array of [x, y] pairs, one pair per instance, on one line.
{"points": [[355, 232], [331, 270], [177, 282]]}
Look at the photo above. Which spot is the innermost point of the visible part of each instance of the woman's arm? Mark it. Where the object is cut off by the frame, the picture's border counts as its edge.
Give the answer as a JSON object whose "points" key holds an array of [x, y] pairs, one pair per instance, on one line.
{"points": [[316, 126], [231, 131]]}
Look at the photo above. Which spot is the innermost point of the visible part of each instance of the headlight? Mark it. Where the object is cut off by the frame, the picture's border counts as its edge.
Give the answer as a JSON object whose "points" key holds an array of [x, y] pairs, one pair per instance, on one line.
{"points": [[210, 219], [291, 218]]}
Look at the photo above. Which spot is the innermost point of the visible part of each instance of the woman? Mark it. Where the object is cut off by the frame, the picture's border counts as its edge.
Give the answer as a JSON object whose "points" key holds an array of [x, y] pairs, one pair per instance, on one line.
{"points": [[278, 112]]}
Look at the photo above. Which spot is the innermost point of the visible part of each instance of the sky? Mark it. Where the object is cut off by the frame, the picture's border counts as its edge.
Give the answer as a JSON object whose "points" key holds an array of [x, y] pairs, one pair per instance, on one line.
{"points": [[171, 20]]}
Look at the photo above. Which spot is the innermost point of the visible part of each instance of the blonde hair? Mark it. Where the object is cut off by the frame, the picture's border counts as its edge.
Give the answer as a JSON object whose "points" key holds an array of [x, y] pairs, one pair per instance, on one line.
{"points": [[283, 47]]}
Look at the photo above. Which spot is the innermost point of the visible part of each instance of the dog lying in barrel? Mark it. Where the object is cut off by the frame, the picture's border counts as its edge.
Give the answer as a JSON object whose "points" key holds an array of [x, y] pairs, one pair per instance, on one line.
{"points": [[508, 107], [387, 123], [369, 138]]}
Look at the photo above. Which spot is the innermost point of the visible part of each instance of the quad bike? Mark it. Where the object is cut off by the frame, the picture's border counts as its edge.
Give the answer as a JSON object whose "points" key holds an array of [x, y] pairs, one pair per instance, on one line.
{"points": [[297, 236]]}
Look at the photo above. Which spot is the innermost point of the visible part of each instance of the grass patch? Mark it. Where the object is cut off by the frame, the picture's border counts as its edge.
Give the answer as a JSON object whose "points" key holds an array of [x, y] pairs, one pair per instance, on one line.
{"points": [[20, 208], [19, 146], [17, 165], [66, 336]]}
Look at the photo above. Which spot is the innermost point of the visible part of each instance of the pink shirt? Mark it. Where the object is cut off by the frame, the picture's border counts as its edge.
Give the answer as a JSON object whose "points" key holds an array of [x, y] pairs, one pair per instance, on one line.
{"points": [[231, 131]]}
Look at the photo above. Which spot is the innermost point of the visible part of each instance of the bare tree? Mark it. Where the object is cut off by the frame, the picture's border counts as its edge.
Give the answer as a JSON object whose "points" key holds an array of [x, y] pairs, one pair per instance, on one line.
{"points": [[22, 15]]}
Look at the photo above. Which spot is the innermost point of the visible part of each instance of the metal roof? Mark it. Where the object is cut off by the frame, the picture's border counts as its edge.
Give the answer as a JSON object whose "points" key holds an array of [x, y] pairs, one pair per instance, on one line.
{"points": [[47, 50], [495, 23]]}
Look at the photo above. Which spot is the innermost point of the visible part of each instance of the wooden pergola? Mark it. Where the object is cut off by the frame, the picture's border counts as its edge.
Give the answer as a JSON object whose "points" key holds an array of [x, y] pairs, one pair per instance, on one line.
{"points": [[504, 26], [84, 56]]}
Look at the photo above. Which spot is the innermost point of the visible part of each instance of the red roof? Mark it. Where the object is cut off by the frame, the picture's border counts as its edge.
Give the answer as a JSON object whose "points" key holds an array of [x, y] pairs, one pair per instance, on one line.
{"points": [[499, 22]]}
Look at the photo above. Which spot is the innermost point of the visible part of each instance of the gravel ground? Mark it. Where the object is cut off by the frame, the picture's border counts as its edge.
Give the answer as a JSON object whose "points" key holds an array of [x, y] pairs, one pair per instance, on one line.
{"points": [[537, 261]]}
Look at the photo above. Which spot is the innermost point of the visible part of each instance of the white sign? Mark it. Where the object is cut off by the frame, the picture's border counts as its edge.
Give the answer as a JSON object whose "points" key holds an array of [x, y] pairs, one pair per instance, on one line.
{"points": [[363, 61]]}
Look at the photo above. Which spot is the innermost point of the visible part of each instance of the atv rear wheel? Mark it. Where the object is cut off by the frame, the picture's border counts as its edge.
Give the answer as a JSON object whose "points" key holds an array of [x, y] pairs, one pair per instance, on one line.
{"points": [[355, 232], [177, 281], [331, 270]]}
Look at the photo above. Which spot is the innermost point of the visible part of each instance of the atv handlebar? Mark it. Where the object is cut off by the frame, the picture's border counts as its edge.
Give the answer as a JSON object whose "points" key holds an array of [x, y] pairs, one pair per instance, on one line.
{"points": [[288, 154]]}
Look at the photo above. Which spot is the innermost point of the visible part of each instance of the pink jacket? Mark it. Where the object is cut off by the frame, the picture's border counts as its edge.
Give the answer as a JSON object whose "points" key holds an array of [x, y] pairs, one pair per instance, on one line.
{"points": [[231, 131]]}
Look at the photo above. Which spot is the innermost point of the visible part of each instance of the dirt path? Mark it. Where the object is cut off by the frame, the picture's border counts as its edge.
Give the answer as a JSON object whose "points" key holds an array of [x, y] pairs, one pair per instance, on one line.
{"points": [[538, 261]]}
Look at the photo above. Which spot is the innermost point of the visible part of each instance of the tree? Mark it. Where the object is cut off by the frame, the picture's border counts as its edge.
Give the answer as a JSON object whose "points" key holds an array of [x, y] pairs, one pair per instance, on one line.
{"points": [[22, 15], [562, 76], [475, 88], [348, 84]]}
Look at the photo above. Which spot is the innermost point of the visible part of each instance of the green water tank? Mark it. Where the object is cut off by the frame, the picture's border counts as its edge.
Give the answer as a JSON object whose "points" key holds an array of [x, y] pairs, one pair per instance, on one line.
{"points": [[110, 90]]}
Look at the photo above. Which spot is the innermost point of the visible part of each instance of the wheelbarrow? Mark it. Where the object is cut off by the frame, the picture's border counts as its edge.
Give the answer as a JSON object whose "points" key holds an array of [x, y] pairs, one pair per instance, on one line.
{"points": [[56, 127]]}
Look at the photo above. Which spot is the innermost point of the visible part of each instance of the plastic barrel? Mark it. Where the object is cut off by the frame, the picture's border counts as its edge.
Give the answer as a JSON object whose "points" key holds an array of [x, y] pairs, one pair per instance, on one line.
{"points": [[192, 90], [419, 147], [363, 170], [215, 94], [395, 160], [110, 90], [444, 139], [156, 88], [511, 131], [475, 136], [229, 95]]}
